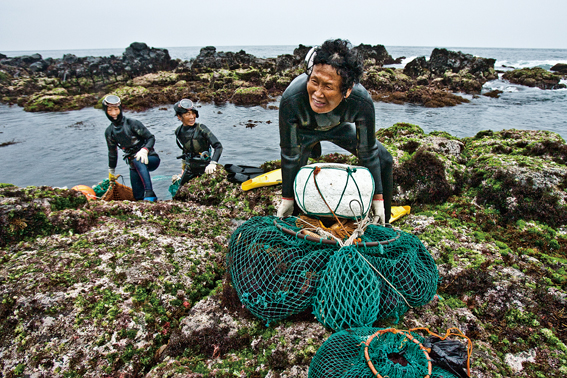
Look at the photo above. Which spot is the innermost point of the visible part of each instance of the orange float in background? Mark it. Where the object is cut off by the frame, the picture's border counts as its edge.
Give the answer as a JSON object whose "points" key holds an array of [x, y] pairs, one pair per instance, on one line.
{"points": [[86, 190]]}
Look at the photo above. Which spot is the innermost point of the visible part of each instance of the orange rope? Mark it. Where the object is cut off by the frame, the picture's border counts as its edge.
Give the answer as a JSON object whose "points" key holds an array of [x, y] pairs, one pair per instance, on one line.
{"points": [[450, 332], [315, 173], [306, 221]]}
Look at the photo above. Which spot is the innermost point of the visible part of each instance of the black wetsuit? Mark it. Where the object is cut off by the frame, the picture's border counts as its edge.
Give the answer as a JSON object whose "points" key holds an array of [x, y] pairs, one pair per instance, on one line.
{"points": [[194, 140], [351, 125], [131, 136]]}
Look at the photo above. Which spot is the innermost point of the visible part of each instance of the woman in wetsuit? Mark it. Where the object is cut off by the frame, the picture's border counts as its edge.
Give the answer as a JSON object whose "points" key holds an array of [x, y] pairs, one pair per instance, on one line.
{"points": [[136, 142], [196, 141], [328, 103]]}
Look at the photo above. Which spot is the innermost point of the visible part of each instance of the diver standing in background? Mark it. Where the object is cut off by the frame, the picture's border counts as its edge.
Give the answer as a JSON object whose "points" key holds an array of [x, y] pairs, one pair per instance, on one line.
{"points": [[196, 141], [136, 142]]}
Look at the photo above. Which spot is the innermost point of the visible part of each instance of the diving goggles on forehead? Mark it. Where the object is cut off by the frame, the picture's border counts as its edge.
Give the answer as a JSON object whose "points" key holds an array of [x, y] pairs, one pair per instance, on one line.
{"points": [[186, 104], [111, 100]]}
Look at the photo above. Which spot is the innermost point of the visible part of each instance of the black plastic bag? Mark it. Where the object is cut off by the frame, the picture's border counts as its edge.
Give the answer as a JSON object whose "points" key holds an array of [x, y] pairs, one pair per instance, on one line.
{"points": [[450, 355]]}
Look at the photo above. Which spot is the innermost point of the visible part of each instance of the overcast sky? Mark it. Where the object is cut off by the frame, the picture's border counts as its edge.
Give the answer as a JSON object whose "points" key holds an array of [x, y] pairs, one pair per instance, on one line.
{"points": [[28, 25]]}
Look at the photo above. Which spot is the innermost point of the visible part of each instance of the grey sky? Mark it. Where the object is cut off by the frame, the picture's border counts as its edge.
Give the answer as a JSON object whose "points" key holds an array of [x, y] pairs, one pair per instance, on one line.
{"points": [[86, 24]]}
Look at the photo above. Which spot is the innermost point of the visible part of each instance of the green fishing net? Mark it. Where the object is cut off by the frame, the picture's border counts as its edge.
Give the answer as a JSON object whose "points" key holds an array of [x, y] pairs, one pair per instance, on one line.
{"points": [[393, 355], [277, 272], [101, 188], [174, 187]]}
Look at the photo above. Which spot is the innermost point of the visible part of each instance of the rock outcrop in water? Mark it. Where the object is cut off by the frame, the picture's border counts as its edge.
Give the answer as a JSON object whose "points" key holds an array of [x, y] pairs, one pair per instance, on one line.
{"points": [[138, 289], [534, 77], [560, 68], [146, 77]]}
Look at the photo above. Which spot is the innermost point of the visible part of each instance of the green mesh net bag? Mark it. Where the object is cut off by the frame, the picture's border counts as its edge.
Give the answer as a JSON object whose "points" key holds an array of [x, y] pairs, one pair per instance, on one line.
{"points": [[278, 271], [367, 352], [275, 274], [381, 277]]}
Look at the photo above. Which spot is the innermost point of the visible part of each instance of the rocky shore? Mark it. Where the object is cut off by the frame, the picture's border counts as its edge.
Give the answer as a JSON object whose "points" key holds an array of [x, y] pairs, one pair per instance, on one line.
{"points": [[145, 77], [136, 289]]}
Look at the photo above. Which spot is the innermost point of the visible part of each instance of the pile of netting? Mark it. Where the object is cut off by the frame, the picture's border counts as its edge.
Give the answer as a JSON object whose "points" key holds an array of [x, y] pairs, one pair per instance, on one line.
{"points": [[101, 188], [367, 352], [174, 187], [113, 191], [279, 268]]}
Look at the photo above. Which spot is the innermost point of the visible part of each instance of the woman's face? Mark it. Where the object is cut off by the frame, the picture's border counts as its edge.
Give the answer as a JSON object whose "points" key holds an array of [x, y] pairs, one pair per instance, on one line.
{"points": [[113, 111], [324, 88], [188, 118]]}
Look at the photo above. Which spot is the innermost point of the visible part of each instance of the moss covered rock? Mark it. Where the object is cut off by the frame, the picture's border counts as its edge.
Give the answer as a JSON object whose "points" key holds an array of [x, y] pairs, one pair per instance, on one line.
{"points": [[250, 96], [534, 77], [28, 212]]}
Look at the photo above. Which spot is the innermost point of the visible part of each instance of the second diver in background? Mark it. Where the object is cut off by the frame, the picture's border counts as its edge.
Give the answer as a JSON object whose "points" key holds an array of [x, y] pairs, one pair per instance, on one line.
{"points": [[196, 142]]}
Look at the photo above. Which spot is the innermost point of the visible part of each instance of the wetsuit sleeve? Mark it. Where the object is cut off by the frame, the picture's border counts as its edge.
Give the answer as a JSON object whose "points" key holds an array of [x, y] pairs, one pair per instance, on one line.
{"points": [[290, 149], [214, 142], [145, 134], [112, 149], [368, 148]]}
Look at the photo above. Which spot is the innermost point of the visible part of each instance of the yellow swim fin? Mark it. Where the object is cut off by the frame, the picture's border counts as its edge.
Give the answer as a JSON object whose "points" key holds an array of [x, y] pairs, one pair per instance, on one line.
{"points": [[399, 211], [266, 179]]}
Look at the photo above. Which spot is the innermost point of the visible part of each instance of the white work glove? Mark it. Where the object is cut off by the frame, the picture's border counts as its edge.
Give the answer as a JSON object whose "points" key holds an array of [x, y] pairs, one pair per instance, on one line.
{"points": [[142, 156], [211, 167], [379, 212], [111, 174], [286, 208]]}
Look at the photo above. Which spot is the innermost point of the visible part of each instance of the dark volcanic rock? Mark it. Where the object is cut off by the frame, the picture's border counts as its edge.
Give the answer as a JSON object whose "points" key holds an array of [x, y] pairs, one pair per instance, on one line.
{"points": [[142, 59], [452, 70], [560, 68], [376, 54], [494, 94], [416, 67], [209, 58], [442, 60]]}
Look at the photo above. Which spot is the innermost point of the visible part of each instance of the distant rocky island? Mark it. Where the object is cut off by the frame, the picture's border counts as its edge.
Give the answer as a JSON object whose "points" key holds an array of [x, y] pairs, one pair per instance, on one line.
{"points": [[146, 77]]}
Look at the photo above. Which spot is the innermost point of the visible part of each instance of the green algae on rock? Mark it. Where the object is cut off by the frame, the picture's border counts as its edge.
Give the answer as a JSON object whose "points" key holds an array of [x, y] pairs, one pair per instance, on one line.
{"points": [[534, 77], [140, 289]]}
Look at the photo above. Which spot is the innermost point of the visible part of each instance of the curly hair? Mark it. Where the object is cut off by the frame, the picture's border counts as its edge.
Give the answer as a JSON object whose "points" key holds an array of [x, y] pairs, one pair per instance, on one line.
{"points": [[338, 53]]}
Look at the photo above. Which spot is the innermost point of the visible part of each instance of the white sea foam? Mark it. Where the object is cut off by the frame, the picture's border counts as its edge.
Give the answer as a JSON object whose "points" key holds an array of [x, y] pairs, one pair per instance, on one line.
{"points": [[546, 64], [500, 85]]}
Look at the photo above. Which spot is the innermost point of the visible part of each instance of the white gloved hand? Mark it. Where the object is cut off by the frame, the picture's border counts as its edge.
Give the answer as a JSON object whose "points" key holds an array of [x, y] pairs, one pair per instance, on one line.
{"points": [[286, 208], [379, 212], [111, 174], [211, 167], [142, 156]]}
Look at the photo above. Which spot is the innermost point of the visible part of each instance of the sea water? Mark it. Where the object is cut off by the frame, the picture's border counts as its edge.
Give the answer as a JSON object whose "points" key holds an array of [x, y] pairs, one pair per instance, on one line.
{"points": [[68, 148]]}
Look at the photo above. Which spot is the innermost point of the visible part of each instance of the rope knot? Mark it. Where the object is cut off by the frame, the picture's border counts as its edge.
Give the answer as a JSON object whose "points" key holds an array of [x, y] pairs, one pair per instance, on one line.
{"points": [[316, 170]]}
